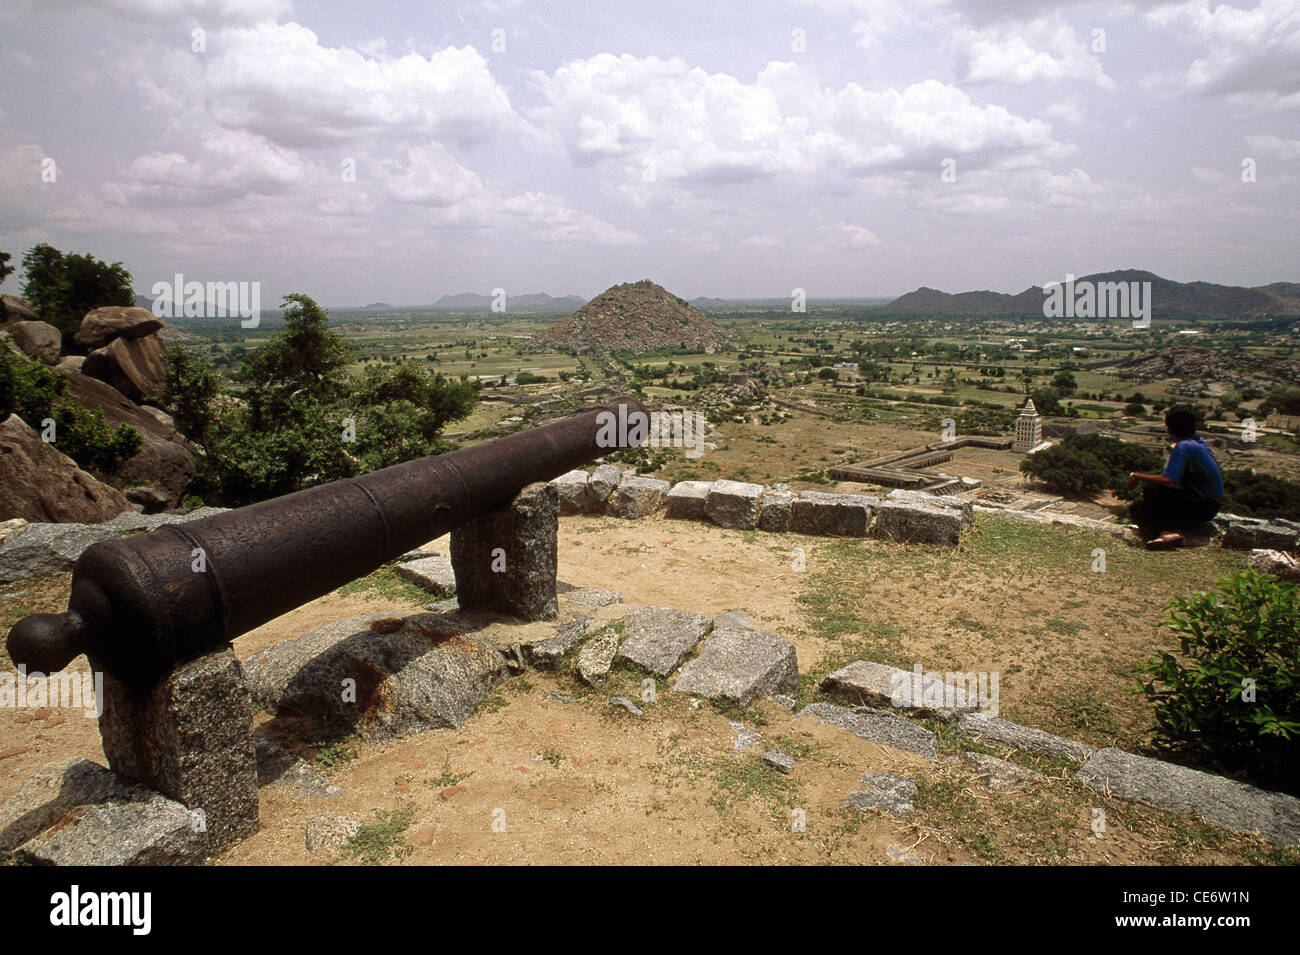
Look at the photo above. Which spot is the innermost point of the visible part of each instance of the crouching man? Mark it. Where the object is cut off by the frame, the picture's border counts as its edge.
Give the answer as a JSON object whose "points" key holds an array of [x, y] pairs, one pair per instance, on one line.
{"points": [[1188, 492]]}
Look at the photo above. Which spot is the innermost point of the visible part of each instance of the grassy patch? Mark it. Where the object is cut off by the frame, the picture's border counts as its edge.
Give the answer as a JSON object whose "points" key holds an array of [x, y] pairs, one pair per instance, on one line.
{"points": [[448, 778], [385, 584], [376, 842], [336, 753]]}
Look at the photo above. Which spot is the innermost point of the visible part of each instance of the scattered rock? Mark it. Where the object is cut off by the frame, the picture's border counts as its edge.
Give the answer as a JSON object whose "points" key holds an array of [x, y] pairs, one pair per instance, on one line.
{"points": [[876, 726], [889, 792], [734, 620], [75, 812], [37, 340], [740, 666], [686, 500], [39, 483], [330, 833], [549, 654], [625, 703], [434, 574], [597, 656], [779, 760], [744, 738], [788, 702], [102, 325], [733, 504], [426, 675], [1224, 802], [984, 728], [1275, 562], [659, 639], [70, 364]]}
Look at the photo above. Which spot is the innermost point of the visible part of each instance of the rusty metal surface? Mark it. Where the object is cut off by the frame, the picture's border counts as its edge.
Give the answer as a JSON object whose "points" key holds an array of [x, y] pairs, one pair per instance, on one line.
{"points": [[138, 605]]}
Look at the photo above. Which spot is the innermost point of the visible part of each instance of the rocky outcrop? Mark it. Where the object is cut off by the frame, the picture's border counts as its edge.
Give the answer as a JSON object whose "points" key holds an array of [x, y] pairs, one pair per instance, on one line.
{"points": [[134, 366], [37, 340], [165, 458], [40, 484], [15, 309], [102, 325]]}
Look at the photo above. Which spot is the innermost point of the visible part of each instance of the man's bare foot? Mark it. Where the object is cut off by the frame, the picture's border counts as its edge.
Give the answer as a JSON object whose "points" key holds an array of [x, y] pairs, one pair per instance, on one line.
{"points": [[1166, 541]]}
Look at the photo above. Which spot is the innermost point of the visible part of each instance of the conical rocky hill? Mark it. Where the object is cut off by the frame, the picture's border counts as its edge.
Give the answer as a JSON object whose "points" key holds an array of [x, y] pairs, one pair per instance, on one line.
{"points": [[634, 317]]}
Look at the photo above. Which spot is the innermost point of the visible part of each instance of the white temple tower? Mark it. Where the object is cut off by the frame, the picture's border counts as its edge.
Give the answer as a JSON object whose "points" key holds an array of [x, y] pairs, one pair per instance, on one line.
{"points": [[1029, 429]]}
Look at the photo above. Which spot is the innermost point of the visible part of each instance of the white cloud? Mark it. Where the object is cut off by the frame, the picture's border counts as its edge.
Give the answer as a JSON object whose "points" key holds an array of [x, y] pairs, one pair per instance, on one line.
{"points": [[1275, 146], [700, 131], [1043, 51], [1252, 55], [208, 13]]}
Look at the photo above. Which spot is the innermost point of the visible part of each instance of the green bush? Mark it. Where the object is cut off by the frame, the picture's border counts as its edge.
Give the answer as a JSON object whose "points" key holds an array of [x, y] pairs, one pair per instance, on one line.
{"points": [[1087, 463], [1249, 630], [1260, 495], [35, 393]]}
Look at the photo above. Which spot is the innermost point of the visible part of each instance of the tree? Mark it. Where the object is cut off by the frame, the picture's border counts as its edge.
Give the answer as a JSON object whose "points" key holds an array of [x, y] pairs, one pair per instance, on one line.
{"points": [[1065, 384], [5, 268], [63, 288], [190, 392], [1047, 401], [1086, 463], [304, 362]]}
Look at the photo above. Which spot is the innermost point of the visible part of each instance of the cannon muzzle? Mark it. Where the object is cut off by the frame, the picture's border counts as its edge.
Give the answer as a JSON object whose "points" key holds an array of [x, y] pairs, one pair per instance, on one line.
{"points": [[140, 605]]}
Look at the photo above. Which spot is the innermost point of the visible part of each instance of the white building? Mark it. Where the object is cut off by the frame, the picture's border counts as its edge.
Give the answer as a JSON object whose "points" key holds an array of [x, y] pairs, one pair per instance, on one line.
{"points": [[1029, 429]]}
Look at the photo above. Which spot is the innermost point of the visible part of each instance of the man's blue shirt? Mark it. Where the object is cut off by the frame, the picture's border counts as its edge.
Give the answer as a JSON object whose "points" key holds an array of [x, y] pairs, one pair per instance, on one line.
{"points": [[1192, 468]]}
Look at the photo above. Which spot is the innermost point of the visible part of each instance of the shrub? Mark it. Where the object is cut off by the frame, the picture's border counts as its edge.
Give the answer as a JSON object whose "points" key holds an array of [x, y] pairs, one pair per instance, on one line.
{"points": [[1086, 463], [1260, 495], [36, 393], [1248, 630]]}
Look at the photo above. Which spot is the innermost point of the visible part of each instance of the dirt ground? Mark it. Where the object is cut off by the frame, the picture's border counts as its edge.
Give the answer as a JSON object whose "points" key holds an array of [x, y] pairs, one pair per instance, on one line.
{"points": [[547, 771]]}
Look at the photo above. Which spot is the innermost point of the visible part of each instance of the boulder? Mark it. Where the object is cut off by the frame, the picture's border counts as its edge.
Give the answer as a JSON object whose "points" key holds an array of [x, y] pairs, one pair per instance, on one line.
{"points": [[102, 325], [37, 340], [686, 500], [659, 639], [739, 666], [165, 459], [407, 675], [279, 767], [572, 491], [134, 366], [70, 364], [600, 487], [40, 484], [149, 499], [911, 523], [638, 497], [15, 309], [75, 812], [1275, 562], [733, 504], [775, 510], [834, 515]]}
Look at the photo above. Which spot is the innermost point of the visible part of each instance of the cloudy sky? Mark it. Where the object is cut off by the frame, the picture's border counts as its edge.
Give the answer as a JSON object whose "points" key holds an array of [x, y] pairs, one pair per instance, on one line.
{"points": [[398, 151]]}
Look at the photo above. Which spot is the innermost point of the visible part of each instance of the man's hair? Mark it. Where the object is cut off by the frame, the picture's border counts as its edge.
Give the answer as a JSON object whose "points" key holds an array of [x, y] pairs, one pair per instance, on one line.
{"points": [[1181, 423]]}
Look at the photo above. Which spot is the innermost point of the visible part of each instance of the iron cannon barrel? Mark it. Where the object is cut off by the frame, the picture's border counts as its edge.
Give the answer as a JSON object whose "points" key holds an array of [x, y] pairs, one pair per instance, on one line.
{"points": [[141, 604]]}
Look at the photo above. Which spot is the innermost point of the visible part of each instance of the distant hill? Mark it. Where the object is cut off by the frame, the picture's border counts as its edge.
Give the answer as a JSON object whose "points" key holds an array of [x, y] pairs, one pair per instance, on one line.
{"points": [[532, 301], [1169, 299], [635, 317]]}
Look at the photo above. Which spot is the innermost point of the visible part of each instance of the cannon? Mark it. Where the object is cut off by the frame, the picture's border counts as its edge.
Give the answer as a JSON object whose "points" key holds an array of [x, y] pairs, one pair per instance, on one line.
{"points": [[142, 604]]}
